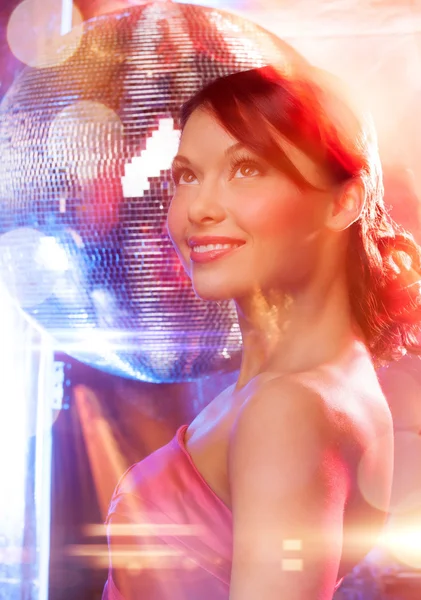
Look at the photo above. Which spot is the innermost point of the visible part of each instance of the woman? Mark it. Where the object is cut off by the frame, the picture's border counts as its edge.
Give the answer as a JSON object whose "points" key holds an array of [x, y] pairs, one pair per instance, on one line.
{"points": [[281, 485]]}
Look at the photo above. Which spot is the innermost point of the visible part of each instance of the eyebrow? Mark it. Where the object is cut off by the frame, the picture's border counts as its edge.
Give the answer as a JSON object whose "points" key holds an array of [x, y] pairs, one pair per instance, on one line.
{"points": [[183, 160]]}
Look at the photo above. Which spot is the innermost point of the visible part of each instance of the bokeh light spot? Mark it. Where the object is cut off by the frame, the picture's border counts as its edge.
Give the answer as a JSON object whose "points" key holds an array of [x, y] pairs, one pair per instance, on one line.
{"points": [[30, 263], [406, 488], [89, 128], [406, 492], [34, 33], [369, 465]]}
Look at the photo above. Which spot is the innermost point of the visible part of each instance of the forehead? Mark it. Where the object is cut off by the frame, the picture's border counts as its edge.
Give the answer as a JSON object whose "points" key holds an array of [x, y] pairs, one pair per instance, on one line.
{"points": [[203, 132]]}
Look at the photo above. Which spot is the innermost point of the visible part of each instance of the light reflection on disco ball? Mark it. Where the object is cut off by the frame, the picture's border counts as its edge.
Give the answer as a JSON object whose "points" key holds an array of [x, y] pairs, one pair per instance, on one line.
{"points": [[85, 186]]}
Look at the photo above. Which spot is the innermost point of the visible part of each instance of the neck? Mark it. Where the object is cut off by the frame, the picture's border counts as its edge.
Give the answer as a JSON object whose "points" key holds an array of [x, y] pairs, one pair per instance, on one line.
{"points": [[290, 333]]}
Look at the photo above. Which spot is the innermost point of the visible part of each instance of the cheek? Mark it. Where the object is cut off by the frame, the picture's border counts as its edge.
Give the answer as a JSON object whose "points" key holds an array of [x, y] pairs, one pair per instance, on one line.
{"points": [[282, 213], [176, 227], [286, 233], [176, 223]]}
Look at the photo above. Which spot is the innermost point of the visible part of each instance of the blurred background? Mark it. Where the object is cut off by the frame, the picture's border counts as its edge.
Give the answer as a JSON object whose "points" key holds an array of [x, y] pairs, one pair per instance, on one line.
{"points": [[72, 419]]}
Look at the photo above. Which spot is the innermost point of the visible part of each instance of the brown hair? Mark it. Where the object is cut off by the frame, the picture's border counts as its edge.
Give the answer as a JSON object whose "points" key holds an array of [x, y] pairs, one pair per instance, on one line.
{"points": [[383, 261]]}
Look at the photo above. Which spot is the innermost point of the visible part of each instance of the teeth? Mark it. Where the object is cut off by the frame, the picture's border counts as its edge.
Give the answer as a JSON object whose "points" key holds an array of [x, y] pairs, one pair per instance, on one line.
{"points": [[210, 247]]}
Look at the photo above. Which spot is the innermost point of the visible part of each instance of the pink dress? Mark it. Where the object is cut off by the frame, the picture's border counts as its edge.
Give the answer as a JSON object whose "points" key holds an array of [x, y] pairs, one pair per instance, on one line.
{"points": [[192, 534]]}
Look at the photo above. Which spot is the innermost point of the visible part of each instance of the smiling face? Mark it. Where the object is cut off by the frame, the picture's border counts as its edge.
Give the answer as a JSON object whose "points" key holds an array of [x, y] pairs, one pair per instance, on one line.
{"points": [[223, 190]]}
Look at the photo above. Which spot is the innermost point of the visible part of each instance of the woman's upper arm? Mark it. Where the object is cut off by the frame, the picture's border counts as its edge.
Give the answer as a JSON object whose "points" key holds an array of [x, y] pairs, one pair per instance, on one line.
{"points": [[288, 487]]}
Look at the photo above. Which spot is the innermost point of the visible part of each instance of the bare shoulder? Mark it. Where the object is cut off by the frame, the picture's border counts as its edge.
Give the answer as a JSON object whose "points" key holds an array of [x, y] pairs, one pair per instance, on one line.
{"points": [[284, 405], [284, 433], [293, 454], [314, 426], [305, 403]]}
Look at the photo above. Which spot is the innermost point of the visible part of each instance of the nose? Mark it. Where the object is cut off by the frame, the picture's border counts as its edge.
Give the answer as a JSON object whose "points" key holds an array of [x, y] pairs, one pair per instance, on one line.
{"points": [[206, 206]]}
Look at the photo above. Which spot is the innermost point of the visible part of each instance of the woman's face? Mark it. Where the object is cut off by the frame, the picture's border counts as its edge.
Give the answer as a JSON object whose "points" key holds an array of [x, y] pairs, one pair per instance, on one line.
{"points": [[238, 224]]}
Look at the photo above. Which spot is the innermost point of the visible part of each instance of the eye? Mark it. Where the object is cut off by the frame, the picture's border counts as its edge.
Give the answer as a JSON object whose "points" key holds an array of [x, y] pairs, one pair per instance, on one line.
{"points": [[246, 169], [183, 176]]}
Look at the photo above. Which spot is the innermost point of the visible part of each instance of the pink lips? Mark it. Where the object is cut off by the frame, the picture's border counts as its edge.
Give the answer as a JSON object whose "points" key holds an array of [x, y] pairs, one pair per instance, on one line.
{"points": [[204, 257]]}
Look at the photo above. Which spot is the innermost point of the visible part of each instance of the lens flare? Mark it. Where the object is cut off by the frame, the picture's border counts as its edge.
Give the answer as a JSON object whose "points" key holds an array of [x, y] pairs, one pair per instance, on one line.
{"points": [[402, 538]]}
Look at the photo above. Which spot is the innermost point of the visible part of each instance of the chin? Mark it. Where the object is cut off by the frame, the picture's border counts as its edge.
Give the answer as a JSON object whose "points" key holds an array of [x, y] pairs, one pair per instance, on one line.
{"points": [[212, 290], [211, 294], [209, 290]]}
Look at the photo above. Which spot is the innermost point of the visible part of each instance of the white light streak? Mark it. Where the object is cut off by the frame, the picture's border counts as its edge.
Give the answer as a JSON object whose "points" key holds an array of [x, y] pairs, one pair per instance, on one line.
{"points": [[161, 148]]}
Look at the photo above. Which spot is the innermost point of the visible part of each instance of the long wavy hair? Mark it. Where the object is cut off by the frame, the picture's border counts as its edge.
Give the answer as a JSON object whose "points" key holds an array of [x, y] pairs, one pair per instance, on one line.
{"points": [[263, 105]]}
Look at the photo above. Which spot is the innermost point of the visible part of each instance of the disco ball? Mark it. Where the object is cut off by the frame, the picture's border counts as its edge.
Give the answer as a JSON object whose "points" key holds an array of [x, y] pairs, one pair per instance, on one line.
{"points": [[86, 142]]}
